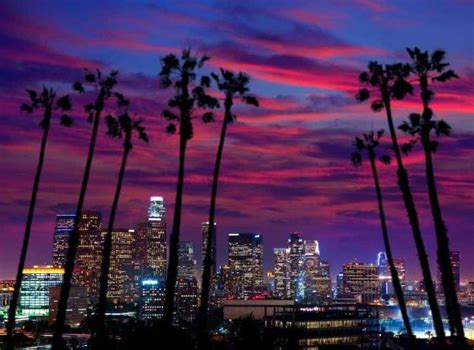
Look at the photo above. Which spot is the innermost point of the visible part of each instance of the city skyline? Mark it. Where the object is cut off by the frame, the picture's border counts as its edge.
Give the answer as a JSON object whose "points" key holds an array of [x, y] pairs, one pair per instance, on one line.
{"points": [[286, 166]]}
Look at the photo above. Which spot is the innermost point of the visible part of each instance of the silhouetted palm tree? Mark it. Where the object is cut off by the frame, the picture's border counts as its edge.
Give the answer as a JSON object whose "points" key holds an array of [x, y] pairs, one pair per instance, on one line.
{"points": [[103, 87], [180, 75], [368, 143], [231, 85], [122, 126], [390, 83], [47, 102], [432, 68]]}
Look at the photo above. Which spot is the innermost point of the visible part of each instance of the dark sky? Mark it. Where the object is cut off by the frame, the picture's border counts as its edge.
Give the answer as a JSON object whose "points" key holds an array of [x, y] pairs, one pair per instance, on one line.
{"points": [[286, 165]]}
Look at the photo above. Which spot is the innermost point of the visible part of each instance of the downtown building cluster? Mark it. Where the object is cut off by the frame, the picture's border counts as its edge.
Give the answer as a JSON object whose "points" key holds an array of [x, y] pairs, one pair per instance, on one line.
{"points": [[139, 262]]}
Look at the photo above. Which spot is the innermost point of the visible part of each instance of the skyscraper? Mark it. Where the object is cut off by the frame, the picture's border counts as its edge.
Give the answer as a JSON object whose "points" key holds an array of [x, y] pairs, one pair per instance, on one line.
{"points": [[89, 254], [246, 259], [186, 261], [34, 292], [456, 265], [186, 285], [384, 274], [400, 267], [361, 281], [122, 269], [204, 234], [64, 227], [281, 272], [156, 238], [296, 246]]}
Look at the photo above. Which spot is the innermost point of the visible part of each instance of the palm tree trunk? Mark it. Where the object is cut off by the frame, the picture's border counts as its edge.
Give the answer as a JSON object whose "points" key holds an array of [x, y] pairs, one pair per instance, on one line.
{"points": [[404, 186], [211, 237], [26, 237], [57, 343], [101, 335], [395, 279], [174, 238], [443, 251]]}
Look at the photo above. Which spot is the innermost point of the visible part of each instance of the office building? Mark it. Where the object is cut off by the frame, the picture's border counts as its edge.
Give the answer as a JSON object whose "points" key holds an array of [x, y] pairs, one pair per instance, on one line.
{"points": [[361, 281], [121, 286], [64, 227], [281, 273], [89, 254], [152, 298], [77, 302], [296, 246], [204, 236], [156, 246], [246, 259], [186, 261], [35, 285]]}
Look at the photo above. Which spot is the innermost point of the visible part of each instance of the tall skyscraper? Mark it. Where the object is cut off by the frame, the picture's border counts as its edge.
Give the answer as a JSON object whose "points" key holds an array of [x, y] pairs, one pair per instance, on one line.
{"points": [[156, 251], [186, 261], [246, 259], [34, 292], [384, 274], [121, 288], [361, 281], [400, 267], [281, 272], [186, 285], [456, 265], [64, 227], [89, 254], [296, 246], [454, 257], [204, 235]]}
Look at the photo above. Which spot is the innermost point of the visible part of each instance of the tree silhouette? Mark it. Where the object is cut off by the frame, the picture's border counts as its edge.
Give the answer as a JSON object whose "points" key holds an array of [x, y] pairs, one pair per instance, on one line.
{"points": [[123, 126], [426, 68], [180, 75], [48, 103], [389, 82], [103, 86], [231, 85], [368, 144]]}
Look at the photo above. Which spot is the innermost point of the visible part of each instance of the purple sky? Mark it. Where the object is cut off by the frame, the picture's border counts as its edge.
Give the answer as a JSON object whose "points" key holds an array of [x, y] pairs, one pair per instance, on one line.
{"points": [[286, 165]]}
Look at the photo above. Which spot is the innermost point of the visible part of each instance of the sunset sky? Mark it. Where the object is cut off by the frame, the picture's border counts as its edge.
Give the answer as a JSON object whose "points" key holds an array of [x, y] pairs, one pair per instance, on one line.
{"points": [[286, 165]]}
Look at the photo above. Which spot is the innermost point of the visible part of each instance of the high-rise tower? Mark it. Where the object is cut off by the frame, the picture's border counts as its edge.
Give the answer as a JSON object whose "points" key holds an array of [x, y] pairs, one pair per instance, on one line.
{"points": [[64, 227]]}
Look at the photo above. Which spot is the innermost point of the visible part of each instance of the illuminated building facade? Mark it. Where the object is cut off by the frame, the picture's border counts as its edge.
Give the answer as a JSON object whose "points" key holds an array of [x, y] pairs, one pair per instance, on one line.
{"points": [[229, 284], [455, 259], [186, 261], [296, 246], [384, 275], [400, 267], [338, 326], [246, 259], [361, 281], [121, 286], [156, 246], [186, 300], [64, 227], [281, 273], [152, 298], [77, 302], [35, 285], [204, 235], [89, 254]]}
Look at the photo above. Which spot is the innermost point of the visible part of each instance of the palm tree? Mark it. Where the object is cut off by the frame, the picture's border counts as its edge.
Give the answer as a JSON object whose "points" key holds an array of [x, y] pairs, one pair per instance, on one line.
{"points": [[180, 75], [389, 81], [103, 87], [122, 126], [231, 85], [432, 68], [47, 102], [368, 144]]}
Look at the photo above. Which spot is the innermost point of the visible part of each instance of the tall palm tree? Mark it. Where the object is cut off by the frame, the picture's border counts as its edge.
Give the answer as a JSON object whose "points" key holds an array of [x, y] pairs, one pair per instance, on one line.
{"points": [[368, 143], [180, 75], [389, 82], [122, 126], [431, 68], [47, 102], [231, 85], [103, 86]]}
